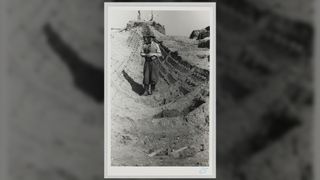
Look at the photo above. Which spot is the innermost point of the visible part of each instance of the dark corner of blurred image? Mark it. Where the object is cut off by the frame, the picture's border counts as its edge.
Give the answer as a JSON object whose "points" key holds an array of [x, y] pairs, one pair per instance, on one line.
{"points": [[52, 89]]}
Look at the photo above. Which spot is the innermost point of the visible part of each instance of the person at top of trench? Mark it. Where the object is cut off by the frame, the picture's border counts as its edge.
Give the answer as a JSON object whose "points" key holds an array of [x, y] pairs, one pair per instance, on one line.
{"points": [[151, 52]]}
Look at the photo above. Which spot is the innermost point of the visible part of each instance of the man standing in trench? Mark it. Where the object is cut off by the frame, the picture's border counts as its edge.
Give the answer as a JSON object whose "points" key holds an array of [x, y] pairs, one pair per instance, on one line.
{"points": [[151, 52]]}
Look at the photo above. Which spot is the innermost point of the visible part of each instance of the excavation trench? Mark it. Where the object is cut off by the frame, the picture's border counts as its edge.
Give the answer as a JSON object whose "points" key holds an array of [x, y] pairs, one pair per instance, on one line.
{"points": [[169, 127]]}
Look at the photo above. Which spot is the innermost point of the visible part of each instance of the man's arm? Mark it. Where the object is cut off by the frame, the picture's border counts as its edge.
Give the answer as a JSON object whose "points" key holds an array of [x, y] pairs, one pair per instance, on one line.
{"points": [[158, 50], [142, 52]]}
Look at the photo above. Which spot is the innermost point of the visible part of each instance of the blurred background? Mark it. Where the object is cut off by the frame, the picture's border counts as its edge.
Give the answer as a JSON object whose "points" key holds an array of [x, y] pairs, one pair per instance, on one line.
{"points": [[52, 90]]}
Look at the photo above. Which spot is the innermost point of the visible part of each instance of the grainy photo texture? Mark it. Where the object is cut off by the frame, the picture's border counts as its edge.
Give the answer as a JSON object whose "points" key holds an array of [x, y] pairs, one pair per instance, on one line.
{"points": [[159, 87]]}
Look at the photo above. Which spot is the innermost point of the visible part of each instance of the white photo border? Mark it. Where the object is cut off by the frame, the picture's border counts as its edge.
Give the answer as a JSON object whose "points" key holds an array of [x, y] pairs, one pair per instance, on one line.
{"points": [[161, 171]]}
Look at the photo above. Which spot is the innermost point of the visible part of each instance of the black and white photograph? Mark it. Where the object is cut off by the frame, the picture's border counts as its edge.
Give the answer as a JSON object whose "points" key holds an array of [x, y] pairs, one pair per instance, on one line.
{"points": [[120, 90], [160, 88]]}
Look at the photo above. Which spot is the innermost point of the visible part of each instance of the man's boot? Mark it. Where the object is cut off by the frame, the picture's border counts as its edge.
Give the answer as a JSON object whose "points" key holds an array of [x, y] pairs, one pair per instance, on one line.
{"points": [[146, 92], [149, 90], [153, 87]]}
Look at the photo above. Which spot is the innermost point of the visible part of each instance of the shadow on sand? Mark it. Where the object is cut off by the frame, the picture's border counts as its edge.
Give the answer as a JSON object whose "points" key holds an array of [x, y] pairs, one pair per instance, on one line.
{"points": [[136, 87], [86, 77]]}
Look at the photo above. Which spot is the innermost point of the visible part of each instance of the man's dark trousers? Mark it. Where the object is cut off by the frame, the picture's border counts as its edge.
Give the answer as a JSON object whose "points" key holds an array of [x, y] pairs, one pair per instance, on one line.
{"points": [[150, 71]]}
